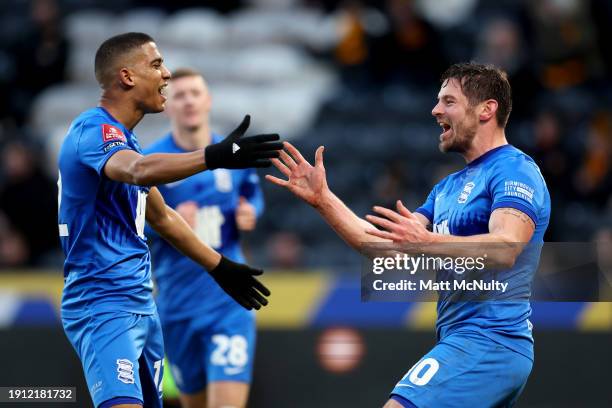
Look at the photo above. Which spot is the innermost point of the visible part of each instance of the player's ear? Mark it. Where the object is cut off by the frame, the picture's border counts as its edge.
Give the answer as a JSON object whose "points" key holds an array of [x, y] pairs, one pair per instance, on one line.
{"points": [[126, 78], [488, 109]]}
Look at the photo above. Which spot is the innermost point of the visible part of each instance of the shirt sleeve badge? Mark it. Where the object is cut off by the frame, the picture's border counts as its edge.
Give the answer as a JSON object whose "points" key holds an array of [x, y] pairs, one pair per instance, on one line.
{"points": [[110, 133]]}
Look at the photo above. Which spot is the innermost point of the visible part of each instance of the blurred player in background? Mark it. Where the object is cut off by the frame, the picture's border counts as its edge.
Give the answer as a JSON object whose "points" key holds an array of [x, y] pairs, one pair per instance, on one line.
{"points": [[484, 352], [209, 338], [108, 312]]}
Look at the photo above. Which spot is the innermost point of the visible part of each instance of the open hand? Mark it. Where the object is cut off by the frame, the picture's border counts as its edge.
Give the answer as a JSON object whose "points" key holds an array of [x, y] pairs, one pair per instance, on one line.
{"points": [[400, 226], [305, 181], [240, 282], [237, 151]]}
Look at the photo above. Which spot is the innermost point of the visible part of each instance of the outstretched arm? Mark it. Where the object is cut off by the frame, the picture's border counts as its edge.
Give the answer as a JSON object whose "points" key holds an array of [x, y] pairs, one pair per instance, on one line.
{"points": [[129, 166], [509, 231], [309, 183], [235, 151], [236, 279]]}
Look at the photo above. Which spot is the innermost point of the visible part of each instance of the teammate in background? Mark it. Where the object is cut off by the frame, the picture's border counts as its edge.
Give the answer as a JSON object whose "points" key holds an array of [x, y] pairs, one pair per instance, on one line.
{"points": [[108, 312], [484, 352], [209, 338]]}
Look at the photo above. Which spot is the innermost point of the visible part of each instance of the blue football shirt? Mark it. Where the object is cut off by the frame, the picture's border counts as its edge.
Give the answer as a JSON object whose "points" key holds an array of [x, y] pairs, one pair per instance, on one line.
{"points": [[101, 222], [461, 204], [184, 288]]}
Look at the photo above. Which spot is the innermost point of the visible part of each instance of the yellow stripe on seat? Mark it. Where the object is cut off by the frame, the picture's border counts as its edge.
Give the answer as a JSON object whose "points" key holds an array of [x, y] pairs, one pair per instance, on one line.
{"points": [[422, 316], [295, 297], [596, 316], [47, 284]]}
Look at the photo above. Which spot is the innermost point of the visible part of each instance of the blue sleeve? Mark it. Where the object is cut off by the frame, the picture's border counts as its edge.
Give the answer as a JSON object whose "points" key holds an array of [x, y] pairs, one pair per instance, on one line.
{"points": [[427, 209], [251, 190], [517, 183], [98, 141]]}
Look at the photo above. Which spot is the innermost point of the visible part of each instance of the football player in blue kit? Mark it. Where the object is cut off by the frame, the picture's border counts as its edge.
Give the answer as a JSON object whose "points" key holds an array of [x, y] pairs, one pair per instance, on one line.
{"points": [[106, 192], [209, 339], [484, 351]]}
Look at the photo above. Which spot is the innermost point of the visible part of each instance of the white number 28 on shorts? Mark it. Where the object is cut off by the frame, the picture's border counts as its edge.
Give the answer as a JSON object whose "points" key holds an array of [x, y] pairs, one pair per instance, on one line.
{"points": [[229, 350]]}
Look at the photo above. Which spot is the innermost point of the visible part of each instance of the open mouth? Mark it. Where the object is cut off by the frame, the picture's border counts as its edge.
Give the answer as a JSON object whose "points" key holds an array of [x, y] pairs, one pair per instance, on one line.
{"points": [[162, 91], [446, 130]]}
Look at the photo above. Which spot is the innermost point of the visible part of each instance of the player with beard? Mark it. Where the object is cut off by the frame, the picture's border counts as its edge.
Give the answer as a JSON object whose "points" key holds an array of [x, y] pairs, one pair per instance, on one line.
{"points": [[106, 191], [484, 351]]}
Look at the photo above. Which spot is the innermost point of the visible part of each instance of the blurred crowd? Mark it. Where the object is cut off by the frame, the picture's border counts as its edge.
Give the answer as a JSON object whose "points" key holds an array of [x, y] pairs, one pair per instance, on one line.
{"points": [[376, 124]]}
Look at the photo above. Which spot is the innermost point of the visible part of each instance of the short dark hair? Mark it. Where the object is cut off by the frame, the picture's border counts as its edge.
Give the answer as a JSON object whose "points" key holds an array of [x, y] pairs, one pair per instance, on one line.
{"points": [[480, 82], [112, 49], [185, 72]]}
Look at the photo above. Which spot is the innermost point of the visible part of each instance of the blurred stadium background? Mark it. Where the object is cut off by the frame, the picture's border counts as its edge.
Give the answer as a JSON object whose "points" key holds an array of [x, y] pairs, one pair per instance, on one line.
{"points": [[361, 78]]}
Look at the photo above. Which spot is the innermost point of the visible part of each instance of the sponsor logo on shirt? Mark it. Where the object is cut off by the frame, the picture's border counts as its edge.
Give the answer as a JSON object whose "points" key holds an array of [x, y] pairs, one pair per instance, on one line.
{"points": [[96, 387], [110, 132], [110, 146], [467, 190], [125, 368], [441, 228], [518, 189]]}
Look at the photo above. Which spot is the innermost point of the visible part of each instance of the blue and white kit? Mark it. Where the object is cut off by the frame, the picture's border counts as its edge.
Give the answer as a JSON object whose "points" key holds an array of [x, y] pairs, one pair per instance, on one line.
{"points": [[484, 352], [208, 336], [108, 312]]}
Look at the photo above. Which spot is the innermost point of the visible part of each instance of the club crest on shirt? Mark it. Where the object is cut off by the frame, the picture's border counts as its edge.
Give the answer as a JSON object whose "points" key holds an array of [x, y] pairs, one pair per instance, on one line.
{"points": [[467, 190], [110, 132]]}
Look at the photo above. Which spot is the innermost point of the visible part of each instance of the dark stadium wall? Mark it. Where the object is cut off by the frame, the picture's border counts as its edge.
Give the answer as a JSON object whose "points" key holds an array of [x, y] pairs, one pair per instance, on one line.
{"points": [[288, 370]]}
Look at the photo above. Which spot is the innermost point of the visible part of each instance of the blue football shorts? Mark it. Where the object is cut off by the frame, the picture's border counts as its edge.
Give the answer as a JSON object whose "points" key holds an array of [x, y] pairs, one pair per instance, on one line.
{"points": [[215, 346], [122, 356], [466, 369]]}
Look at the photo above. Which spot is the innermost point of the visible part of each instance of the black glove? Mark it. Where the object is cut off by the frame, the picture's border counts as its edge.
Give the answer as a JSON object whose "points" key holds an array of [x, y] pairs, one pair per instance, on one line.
{"points": [[237, 152], [238, 281]]}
